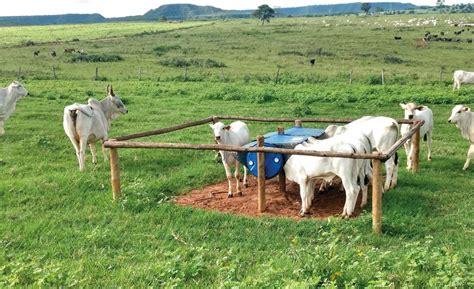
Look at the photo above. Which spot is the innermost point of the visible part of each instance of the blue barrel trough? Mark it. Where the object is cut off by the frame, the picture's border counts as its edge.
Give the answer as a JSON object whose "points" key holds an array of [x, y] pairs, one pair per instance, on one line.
{"points": [[274, 162]]}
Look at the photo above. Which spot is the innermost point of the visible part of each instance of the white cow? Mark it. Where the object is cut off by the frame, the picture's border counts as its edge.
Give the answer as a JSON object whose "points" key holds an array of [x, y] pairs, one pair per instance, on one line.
{"points": [[237, 133], [463, 118], [461, 76], [85, 124], [417, 112], [8, 98], [382, 133], [304, 170]]}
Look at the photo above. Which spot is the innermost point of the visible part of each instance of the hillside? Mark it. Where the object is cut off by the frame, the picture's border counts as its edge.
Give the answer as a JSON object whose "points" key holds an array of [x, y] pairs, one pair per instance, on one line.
{"points": [[183, 11], [343, 8], [51, 19]]}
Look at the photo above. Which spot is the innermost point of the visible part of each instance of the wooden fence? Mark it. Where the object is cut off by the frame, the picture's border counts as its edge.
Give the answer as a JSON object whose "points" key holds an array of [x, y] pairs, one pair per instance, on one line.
{"points": [[376, 157]]}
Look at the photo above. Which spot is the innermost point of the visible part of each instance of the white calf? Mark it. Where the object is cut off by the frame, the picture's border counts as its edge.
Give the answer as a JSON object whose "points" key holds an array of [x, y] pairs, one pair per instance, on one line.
{"points": [[8, 98], [463, 118], [461, 76], [417, 112], [382, 133], [237, 133]]}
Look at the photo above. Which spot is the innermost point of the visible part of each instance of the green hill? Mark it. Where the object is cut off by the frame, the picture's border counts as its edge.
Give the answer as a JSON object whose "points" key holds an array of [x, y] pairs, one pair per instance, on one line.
{"points": [[51, 19]]}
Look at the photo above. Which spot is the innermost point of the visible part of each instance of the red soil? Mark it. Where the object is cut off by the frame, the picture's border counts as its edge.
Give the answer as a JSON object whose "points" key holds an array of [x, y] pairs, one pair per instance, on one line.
{"points": [[214, 198]]}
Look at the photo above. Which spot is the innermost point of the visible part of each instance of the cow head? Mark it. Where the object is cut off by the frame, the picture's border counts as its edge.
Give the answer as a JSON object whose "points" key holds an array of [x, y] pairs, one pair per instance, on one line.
{"points": [[333, 130], [410, 108], [457, 113], [219, 129], [117, 105], [17, 90]]}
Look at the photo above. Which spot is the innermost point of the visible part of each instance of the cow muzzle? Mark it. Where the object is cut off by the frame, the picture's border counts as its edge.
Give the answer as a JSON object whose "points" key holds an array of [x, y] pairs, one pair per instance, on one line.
{"points": [[217, 138]]}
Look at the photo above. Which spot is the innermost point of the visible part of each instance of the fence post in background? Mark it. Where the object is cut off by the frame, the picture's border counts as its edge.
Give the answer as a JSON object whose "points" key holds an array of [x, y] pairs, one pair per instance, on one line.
{"points": [[185, 73], [115, 173], [298, 123], [441, 74], [383, 76], [376, 196], [54, 73], [261, 176], [277, 76], [96, 73], [415, 162], [222, 74], [139, 73], [19, 72], [350, 77], [281, 174]]}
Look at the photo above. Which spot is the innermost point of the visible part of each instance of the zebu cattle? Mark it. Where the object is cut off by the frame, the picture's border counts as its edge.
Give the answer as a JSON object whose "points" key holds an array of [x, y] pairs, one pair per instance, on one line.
{"points": [[237, 133], [461, 76], [87, 124], [417, 112], [8, 98], [463, 118]]}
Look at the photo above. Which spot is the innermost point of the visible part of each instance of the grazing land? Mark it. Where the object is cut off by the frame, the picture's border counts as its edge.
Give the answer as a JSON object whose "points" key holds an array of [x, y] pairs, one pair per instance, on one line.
{"points": [[60, 227]]}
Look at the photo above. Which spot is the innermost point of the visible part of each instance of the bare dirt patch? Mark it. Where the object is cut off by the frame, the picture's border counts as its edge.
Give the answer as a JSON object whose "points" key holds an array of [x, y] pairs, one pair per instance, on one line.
{"points": [[214, 197]]}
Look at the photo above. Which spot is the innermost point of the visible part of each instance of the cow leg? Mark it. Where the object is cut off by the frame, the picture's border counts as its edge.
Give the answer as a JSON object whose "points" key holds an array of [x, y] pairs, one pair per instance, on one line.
{"points": [[237, 178], [429, 141], [2, 130], [303, 193], [470, 154], [352, 190], [82, 154], [104, 152], [409, 157], [94, 153], [395, 171], [407, 146], [310, 194], [228, 174], [390, 171], [246, 184]]}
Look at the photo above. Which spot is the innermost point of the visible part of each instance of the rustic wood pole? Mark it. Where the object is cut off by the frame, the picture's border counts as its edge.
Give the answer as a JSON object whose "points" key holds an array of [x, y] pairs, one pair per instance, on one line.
{"points": [[298, 123], [222, 74], [416, 152], [54, 72], [350, 77], [441, 74], [376, 196], [281, 174], [19, 71], [185, 73], [261, 176], [383, 77], [115, 173], [96, 73], [140, 73], [277, 75]]}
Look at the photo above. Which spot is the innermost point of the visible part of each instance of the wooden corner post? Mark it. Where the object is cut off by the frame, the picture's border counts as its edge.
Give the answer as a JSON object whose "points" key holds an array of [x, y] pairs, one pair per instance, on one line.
{"points": [[115, 173], [416, 151], [281, 174], [376, 196], [298, 123], [261, 176]]}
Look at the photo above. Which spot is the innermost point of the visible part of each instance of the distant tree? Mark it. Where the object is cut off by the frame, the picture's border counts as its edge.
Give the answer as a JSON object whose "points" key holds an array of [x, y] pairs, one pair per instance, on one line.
{"points": [[440, 3], [379, 9], [264, 13], [365, 7], [163, 18]]}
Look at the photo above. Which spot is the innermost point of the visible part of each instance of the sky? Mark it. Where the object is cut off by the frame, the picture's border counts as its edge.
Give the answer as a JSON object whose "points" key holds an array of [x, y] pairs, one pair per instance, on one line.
{"points": [[118, 8]]}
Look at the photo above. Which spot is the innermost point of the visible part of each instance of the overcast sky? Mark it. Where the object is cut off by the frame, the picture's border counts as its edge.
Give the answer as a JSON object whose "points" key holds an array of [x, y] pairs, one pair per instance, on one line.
{"points": [[115, 8]]}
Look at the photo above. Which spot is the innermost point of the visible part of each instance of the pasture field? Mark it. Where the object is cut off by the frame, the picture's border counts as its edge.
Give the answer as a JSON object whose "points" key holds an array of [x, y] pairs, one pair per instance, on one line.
{"points": [[60, 228]]}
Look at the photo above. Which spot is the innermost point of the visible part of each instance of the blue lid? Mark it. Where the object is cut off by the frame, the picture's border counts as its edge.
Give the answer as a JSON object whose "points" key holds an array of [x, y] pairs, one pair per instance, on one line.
{"points": [[273, 163]]}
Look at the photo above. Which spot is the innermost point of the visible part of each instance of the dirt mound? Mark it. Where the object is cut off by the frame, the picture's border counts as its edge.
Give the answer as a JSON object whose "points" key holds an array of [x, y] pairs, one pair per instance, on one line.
{"points": [[214, 197]]}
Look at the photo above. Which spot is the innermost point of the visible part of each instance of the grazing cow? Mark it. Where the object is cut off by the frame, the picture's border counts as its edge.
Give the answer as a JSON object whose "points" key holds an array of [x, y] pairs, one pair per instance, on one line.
{"points": [[69, 50], [469, 40], [53, 53], [441, 33], [421, 43], [397, 37], [417, 112], [8, 98], [463, 118], [457, 32], [36, 53], [304, 170], [86, 124], [237, 133], [461, 76], [312, 61], [382, 133]]}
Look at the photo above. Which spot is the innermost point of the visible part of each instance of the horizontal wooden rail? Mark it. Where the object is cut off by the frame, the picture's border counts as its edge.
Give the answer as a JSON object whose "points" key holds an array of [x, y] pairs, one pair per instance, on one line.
{"points": [[152, 145], [404, 139], [290, 119], [165, 130]]}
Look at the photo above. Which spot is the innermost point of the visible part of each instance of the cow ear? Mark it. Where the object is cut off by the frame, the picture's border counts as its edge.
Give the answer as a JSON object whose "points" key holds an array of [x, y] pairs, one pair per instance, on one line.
{"points": [[403, 106], [466, 108], [227, 127], [112, 91], [212, 126], [420, 107]]}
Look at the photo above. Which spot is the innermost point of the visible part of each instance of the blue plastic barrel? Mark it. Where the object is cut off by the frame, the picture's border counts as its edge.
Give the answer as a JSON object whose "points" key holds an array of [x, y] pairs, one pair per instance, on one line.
{"points": [[273, 162]]}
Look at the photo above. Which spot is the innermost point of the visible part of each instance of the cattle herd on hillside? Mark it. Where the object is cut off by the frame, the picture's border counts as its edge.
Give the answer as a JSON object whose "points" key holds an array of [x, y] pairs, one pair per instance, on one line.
{"points": [[85, 124]]}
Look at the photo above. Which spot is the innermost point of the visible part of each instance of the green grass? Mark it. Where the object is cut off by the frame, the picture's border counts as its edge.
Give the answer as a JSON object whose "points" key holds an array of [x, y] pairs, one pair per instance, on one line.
{"points": [[60, 227]]}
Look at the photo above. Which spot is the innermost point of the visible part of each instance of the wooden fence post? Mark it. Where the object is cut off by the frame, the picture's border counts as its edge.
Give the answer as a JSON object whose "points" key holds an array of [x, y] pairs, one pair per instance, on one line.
{"points": [[383, 77], [261, 176], [54, 72], [185, 73], [298, 123], [281, 174], [115, 173], [415, 162], [277, 76], [350, 77], [376, 196], [96, 73], [19, 71], [440, 74]]}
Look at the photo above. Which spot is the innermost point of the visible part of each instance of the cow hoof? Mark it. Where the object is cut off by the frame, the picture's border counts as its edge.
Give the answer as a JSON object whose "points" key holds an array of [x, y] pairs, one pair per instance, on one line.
{"points": [[429, 159], [464, 169], [246, 185], [229, 195], [240, 194]]}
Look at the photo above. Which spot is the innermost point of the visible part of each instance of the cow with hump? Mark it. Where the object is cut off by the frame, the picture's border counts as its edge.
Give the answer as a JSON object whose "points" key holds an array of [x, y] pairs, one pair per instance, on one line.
{"points": [[8, 98], [85, 124], [463, 118]]}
